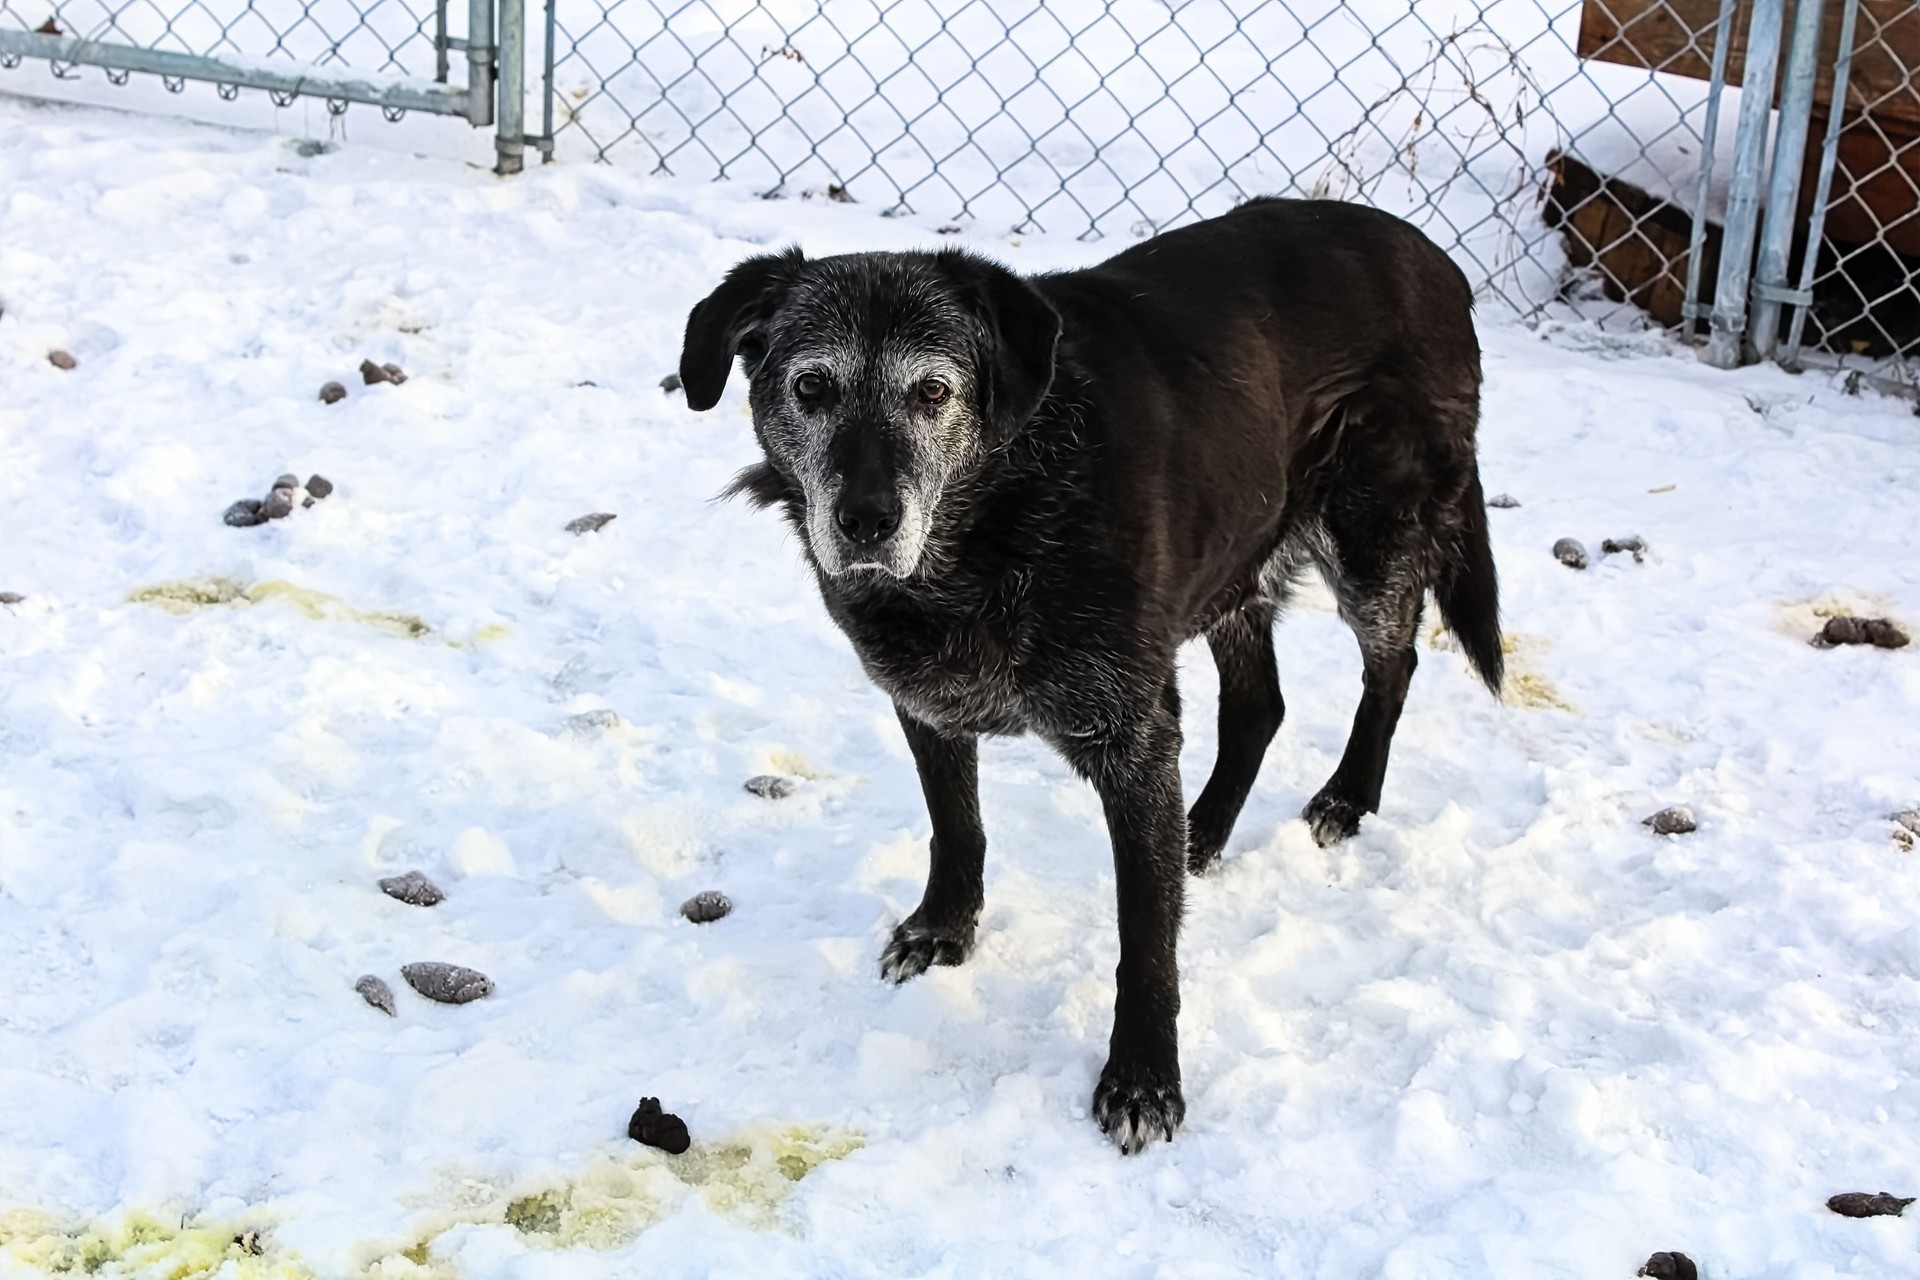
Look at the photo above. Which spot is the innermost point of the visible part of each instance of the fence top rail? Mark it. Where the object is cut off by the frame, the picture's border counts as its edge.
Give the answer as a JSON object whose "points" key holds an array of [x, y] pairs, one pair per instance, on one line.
{"points": [[398, 93]]}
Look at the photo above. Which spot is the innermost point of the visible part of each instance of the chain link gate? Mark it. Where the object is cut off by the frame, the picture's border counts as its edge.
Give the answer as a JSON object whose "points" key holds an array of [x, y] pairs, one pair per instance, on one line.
{"points": [[383, 53]]}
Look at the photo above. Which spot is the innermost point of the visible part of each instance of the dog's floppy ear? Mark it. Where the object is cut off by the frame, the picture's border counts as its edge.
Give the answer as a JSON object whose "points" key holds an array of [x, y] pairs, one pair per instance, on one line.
{"points": [[728, 320], [1022, 331]]}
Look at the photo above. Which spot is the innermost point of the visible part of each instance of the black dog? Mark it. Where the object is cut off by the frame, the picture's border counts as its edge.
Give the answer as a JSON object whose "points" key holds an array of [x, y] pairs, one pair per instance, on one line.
{"points": [[1021, 496]]}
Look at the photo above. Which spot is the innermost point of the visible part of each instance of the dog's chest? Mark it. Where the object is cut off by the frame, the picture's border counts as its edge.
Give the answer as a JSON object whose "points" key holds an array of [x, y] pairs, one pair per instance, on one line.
{"points": [[964, 663]]}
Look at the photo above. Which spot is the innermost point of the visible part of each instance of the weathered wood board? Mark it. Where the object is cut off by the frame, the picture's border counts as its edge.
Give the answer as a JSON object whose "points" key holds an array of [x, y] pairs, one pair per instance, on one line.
{"points": [[1676, 36], [1637, 243], [1876, 186]]}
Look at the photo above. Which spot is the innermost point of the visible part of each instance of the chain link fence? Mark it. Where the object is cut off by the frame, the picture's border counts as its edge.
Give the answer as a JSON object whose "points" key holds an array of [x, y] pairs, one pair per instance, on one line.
{"points": [[1866, 276], [1100, 119], [1575, 156]]}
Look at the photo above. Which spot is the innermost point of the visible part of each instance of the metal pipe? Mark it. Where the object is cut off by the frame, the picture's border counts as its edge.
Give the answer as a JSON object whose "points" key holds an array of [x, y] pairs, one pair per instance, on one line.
{"points": [[418, 96], [440, 41], [510, 139], [1823, 187], [546, 95], [1690, 309], [1783, 189], [480, 63], [1729, 319]]}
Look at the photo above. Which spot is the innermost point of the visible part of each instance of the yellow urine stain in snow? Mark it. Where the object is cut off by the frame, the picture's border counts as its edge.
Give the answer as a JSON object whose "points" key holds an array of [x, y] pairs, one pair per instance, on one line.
{"points": [[747, 1178], [190, 594], [1512, 643], [1532, 690], [138, 1246], [781, 760], [318, 605], [1522, 687]]}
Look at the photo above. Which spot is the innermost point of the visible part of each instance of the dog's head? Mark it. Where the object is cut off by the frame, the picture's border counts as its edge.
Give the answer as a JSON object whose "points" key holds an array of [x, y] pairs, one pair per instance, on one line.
{"points": [[876, 380]]}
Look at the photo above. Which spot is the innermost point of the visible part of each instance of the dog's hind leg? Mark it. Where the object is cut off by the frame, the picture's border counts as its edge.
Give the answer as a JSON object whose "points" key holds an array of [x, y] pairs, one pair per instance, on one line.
{"points": [[1251, 710], [940, 931], [1381, 592]]}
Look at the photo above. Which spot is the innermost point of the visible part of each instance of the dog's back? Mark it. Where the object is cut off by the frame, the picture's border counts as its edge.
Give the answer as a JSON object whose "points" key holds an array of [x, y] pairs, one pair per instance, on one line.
{"points": [[1323, 294], [1294, 381]]}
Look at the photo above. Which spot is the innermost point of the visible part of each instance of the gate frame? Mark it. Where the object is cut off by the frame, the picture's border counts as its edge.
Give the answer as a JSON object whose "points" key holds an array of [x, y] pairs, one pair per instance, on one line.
{"points": [[495, 92]]}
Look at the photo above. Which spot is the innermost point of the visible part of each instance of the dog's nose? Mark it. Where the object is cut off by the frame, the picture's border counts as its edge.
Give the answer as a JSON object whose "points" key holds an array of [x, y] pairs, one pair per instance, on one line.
{"points": [[868, 518]]}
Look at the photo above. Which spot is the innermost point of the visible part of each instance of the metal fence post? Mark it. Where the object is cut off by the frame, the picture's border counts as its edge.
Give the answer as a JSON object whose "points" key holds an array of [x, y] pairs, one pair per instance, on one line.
{"points": [[510, 141], [1783, 190], [1690, 308], [1749, 170], [1823, 186], [479, 63], [546, 94]]}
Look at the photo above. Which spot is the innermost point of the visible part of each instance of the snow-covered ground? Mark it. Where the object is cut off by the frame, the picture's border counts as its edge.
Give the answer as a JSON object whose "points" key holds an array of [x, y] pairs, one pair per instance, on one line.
{"points": [[1505, 1032]]}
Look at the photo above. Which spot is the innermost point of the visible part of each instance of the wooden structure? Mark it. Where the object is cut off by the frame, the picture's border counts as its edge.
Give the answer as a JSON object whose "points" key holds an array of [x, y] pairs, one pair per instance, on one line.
{"points": [[1876, 178], [1640, 243]]}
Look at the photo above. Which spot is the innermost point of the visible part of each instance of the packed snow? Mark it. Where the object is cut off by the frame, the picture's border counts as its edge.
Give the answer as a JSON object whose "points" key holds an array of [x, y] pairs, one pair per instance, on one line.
{"points": [[1507, 1031]]}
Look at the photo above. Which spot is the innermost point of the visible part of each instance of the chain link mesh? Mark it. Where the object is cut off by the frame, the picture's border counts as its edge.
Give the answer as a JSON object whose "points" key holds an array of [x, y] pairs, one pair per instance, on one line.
{"points": [[1865, 300], [1555, 147], [1097, 119]]}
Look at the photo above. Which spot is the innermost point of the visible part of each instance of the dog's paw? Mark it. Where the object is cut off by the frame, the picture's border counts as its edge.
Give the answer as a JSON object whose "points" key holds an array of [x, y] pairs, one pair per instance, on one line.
{"points": [[1135, 1105], [1331, 817], [1203, 854], [916, 947]]}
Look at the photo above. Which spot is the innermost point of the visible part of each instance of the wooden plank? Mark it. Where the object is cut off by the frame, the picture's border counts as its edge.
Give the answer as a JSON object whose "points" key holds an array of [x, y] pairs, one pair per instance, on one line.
{"points": [[1876, 176], [1676, 36], [1636, 244]]}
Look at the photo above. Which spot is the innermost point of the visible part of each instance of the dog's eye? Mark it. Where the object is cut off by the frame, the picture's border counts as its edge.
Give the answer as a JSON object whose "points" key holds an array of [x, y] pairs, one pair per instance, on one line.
{"points": [[933, 391], [809, 386]]}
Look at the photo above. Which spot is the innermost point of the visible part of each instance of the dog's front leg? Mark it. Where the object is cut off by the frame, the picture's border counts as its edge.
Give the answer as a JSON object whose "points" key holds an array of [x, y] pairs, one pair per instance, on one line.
{"points": [[940, 931], [1137, 772]]}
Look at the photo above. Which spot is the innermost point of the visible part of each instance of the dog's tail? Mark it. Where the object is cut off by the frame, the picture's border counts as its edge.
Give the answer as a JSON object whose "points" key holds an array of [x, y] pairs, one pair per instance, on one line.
{"points": [[1469, 591]]}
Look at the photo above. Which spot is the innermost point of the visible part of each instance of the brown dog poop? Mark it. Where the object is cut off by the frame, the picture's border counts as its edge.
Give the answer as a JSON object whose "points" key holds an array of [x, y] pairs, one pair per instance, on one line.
{"points": [[1675, 820], [1862, 1204], [376, 993], [447, 983], [706, 906], [1670, 1266], [414, 889], [1881, 633], [1570, 553], [656, 1128], [1632, 543]]}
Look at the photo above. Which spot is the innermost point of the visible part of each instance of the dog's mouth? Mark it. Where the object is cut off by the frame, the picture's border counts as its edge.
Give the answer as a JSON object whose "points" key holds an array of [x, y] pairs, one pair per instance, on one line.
{"points": [[895, 556], [868, 560]]}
